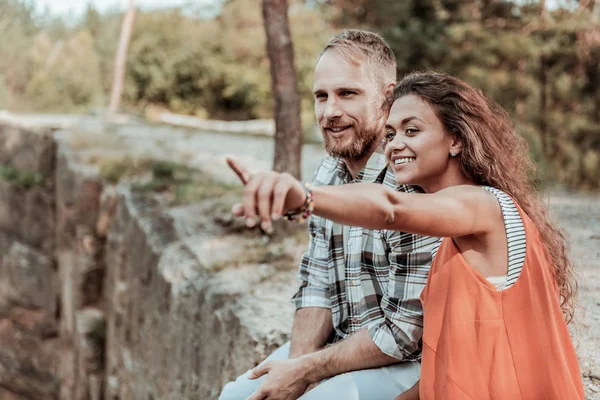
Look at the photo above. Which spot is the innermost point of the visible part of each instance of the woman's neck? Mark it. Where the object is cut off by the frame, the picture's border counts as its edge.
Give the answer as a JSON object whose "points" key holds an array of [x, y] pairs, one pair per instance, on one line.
{"points": [[453, 176]]}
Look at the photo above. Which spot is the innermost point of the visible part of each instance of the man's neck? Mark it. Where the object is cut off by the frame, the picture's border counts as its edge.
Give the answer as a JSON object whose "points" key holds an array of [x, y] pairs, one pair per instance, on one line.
{"points": [[355, 165]]}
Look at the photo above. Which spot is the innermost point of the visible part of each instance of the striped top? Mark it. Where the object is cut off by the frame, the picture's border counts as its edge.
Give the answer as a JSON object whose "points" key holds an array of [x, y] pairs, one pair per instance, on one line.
{"points": [[515, 238], [515, 235]]}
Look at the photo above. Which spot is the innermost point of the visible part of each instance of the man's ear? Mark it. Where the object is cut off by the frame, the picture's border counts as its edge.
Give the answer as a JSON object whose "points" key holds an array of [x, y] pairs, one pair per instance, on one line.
{"points": [[389, 89]]}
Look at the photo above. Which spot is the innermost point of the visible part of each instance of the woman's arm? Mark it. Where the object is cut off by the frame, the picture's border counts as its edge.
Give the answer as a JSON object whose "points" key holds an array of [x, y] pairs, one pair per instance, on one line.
{"points": [[452, 212], [410, 394]]}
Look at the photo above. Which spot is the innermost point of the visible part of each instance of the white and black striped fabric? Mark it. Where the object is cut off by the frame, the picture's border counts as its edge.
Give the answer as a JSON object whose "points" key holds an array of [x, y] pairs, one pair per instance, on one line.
{"points": [[515, 235]]}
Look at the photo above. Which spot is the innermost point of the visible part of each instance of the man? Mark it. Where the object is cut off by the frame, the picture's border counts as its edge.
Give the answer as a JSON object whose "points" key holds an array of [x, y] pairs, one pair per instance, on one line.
{"points": [[358, 321]]}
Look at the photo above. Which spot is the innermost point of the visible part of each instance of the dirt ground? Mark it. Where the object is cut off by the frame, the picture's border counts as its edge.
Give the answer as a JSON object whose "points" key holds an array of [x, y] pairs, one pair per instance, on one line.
{"points": [[579, 215]]}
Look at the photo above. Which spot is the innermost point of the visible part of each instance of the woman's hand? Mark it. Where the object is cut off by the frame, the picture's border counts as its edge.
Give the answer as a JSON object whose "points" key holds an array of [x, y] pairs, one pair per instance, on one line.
{"points": [[410, 394], [267, 195]]}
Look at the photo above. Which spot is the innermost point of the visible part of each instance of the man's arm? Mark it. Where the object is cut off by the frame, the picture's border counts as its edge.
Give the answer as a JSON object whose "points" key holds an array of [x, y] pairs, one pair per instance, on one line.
{"points": [[312, 326], [354, 353], [292, 377], [312, 321], [399, 331]]}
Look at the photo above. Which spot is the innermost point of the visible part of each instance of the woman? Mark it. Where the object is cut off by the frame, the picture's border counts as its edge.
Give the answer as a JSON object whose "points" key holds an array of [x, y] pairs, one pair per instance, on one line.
{"points": [[500, 291]]}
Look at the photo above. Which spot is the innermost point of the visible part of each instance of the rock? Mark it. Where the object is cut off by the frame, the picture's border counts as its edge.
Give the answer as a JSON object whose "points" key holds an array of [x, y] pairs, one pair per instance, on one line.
{"points": [[89, 343], [27, 277], [27, 363], [108, 204], [27, 149], [159, 347], [28, 214]]}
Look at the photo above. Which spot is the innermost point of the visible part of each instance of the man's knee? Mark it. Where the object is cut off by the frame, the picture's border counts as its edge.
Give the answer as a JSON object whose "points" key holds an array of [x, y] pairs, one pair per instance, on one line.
{"points": [[382, 383], [243, 387], [239, 389]]}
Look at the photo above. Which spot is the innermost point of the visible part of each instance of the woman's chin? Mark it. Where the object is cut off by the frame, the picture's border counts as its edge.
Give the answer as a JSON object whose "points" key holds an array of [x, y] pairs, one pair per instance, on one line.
{"points": [[403, 179]]}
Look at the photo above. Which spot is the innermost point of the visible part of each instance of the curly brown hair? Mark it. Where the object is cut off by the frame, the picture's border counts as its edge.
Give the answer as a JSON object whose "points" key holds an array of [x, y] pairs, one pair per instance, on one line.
{"points": [[493, 154]]}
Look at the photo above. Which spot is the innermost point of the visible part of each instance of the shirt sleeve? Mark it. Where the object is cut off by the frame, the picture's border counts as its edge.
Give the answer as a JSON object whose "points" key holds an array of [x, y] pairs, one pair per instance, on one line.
{"points": [[313, 271], [398, 333]]}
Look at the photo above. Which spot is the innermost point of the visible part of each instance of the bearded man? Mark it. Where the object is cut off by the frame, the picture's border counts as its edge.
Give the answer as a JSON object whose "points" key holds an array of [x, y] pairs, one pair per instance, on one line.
{"points": [[358, 321]]}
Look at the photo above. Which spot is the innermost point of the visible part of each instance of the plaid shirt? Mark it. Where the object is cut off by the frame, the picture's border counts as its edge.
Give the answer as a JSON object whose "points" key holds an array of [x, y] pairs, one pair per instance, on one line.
{"points": [[368, 278]]}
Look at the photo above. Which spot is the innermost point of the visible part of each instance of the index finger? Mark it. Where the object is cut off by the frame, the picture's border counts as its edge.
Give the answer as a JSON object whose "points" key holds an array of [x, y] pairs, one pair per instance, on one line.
{"points": [[241, 171]]}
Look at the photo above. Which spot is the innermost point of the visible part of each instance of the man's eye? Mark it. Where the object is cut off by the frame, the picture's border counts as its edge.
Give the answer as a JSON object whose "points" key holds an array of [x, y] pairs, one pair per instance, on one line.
{"points": [[346, 93], [321, 96]]}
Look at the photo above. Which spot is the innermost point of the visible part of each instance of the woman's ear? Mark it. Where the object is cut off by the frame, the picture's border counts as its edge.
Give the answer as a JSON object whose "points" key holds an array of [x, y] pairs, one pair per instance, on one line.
{"points": [[456, 146]]}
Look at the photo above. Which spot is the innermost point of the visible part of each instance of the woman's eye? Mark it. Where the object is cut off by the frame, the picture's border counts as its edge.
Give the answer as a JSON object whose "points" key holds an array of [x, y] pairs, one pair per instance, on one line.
{"points": [[389, 136], [411, 131]]}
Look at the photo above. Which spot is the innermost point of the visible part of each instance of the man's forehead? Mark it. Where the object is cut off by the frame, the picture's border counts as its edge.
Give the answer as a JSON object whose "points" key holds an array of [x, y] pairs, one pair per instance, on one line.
{"points": [[334, 68]]}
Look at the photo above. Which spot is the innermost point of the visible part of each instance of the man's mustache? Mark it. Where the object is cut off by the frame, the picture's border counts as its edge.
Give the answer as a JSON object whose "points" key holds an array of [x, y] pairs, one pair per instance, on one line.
{"points": [[333, 125]]}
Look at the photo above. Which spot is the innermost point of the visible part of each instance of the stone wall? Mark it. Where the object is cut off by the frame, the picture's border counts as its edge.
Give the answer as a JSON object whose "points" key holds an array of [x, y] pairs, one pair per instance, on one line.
{"points": [[29, 308], [106, 293]]}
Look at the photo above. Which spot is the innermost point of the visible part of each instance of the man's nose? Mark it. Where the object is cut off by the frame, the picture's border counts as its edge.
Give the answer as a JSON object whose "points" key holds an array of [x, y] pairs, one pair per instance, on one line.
{"points": [[332, 109]]}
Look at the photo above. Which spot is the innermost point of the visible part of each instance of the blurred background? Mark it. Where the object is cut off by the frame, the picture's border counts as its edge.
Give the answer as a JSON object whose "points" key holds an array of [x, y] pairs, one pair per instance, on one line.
{"points": [[207, 58]]}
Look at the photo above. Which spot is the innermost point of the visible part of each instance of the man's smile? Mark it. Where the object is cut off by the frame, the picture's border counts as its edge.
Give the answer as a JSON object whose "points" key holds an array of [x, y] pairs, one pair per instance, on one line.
{"points": [[338, 131]]}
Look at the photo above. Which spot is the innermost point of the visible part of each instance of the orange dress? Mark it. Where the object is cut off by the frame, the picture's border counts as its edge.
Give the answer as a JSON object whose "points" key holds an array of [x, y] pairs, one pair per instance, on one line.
{"points": [[480, 343]]}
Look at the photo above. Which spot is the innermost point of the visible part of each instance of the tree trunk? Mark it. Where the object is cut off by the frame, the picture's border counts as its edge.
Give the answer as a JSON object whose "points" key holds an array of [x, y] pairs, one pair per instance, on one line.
{"points": [[288, 127], [543, 10], [120, 59], [521, 98], [543, 81]]}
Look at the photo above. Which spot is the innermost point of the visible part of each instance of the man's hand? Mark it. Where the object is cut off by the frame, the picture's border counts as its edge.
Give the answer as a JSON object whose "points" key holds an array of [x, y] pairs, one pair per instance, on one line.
{"points": [[267, 194], [285, 380]]}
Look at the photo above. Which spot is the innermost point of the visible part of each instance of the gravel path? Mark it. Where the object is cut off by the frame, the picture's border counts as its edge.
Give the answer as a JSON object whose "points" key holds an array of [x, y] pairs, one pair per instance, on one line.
{"points": [[579, 215]]}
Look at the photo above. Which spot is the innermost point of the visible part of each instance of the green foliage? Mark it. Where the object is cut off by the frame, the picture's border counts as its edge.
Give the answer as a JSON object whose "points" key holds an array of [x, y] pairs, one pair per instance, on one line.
{"points": [[17, 30], [21, 178], [542, 65], [66, 74], [183, 184], [117, 168]]}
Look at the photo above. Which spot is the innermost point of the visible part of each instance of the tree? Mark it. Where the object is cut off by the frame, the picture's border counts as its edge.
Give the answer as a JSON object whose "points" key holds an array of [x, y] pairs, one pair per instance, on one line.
{"points": [[288, 126], [17, 29], [66, 74], [119, 77]]}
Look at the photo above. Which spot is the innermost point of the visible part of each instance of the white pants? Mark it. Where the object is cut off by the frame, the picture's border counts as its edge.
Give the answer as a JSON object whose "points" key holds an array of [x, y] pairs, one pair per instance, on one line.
{"points": [[382, 383]]}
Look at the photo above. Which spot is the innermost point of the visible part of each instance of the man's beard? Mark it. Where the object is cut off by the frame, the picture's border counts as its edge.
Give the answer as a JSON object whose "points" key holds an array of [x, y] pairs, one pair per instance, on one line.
{"points": [[363, 139]]}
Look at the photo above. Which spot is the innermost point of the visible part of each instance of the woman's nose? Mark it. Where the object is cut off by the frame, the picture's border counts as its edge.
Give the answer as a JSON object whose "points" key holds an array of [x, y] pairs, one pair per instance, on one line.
{"points": [[397, 143]]}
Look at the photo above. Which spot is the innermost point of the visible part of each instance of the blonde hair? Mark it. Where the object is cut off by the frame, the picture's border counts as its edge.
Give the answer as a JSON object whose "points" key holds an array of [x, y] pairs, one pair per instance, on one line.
{"points": [[354, 44]]}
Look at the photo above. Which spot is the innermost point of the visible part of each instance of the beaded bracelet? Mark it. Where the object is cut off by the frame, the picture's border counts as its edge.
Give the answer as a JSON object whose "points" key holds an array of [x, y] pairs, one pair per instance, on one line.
{"points": [[302, 213]]}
